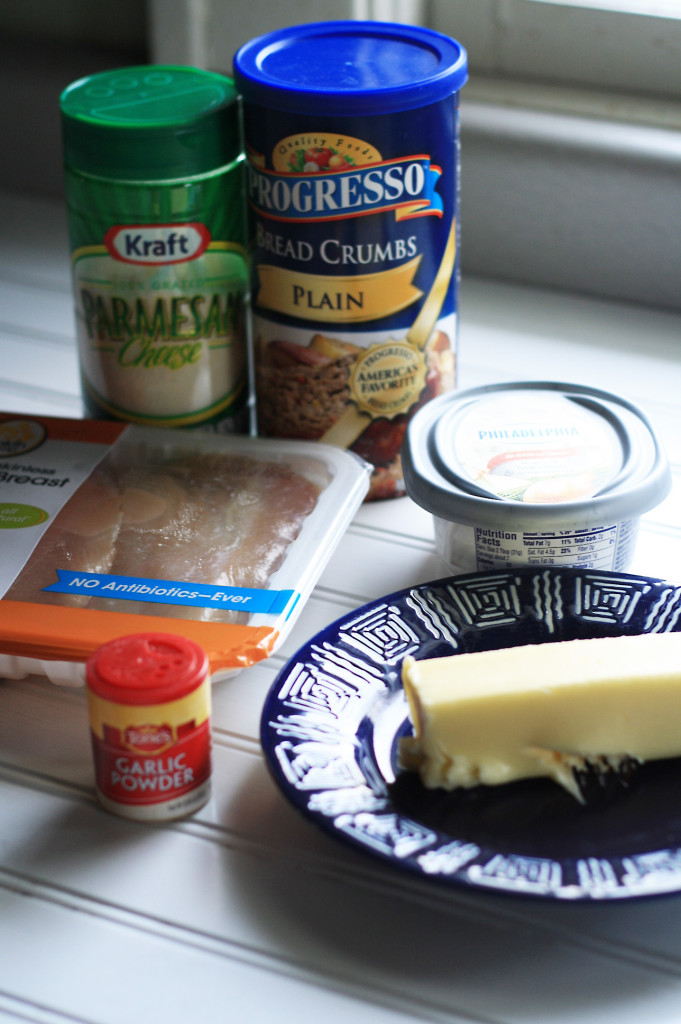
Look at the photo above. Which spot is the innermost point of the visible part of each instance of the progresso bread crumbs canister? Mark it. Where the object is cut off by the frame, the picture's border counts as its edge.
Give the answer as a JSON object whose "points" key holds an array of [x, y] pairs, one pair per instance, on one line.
{"points": [[149, 704], [352, 142], [153, 164]]}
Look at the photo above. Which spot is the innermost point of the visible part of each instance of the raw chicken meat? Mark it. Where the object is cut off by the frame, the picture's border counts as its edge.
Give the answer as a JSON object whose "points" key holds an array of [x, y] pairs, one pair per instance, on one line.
{"points": [[148, 511], [82, 537]]}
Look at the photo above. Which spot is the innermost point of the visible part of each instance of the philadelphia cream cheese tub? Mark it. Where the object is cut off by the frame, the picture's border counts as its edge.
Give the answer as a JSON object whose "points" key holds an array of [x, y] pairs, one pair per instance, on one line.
{"points": [[534, 473]]}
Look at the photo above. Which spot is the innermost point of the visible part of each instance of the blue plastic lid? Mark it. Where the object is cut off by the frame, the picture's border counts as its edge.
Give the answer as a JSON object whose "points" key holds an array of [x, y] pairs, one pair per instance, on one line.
{"points": [[350, 67]]}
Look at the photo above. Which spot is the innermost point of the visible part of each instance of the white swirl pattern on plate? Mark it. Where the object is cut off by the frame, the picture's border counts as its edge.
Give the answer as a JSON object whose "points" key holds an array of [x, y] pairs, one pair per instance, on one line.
{"points": [[331, 721]]}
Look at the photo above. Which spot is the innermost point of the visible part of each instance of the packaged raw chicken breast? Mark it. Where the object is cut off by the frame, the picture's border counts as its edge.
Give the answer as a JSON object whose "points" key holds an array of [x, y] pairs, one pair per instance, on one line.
{"points": [[109, 528]]}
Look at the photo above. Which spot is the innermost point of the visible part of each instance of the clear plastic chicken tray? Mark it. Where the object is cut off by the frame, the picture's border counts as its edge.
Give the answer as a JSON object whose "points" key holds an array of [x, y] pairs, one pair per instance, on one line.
{"points": [[108, 529]]}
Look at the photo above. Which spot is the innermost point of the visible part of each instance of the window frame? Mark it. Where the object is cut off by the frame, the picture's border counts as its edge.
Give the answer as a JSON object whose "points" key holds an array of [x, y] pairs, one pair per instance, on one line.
{"points": [[548, 41]]}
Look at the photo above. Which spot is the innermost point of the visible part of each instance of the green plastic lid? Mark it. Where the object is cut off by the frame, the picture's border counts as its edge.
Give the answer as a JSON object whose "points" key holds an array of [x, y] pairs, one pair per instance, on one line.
{"points": [[150, 123]]}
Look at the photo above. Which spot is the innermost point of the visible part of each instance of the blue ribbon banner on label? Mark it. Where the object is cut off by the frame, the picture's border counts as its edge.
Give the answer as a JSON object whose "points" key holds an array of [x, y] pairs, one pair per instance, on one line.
{"points": [[384, 186], [196, 595]]}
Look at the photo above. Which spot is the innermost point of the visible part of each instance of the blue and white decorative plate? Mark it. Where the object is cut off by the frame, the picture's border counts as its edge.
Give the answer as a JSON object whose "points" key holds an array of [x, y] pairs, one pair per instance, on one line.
{"points": [[332, 722]]}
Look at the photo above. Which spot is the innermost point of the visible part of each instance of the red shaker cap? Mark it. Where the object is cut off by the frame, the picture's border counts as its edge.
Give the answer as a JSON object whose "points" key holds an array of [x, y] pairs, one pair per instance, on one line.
{"points": [[146, 668]]}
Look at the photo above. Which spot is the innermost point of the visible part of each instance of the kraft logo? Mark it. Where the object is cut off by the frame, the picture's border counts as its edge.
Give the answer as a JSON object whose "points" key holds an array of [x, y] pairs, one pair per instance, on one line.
{"points": [[156, 244]]}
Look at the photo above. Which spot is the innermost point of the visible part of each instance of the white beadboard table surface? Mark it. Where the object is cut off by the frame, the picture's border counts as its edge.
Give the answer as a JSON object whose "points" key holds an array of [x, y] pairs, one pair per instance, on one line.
{"points": [[246, 911]]}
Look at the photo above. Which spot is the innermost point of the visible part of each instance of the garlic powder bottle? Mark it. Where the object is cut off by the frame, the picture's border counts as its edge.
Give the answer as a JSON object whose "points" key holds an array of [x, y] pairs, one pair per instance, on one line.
{"points": [[149, 705]]}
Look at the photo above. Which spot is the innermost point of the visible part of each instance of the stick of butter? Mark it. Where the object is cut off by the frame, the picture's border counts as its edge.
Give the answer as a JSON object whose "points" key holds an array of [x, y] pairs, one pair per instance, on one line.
{"points": [[492, 717]]}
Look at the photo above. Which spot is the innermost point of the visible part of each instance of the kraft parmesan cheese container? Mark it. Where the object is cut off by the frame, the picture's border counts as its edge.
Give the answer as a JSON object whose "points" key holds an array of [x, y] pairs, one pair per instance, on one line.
{"points": [[153, 163], [352, 141], [149, 704], [535, 473]]}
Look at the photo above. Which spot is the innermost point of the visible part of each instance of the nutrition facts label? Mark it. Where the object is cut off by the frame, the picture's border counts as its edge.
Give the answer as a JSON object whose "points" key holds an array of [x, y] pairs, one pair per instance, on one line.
{"points": [[606, 547]]}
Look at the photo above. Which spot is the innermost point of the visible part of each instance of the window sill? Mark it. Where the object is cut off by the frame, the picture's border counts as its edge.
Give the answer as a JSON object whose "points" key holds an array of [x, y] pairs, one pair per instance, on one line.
{"points": [[571, 190]]}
